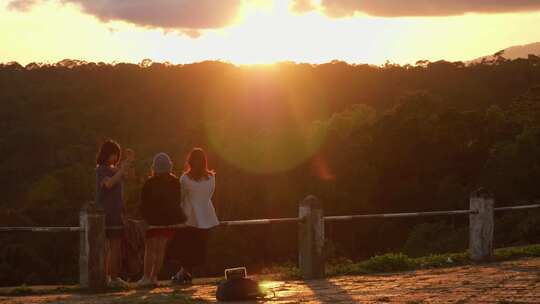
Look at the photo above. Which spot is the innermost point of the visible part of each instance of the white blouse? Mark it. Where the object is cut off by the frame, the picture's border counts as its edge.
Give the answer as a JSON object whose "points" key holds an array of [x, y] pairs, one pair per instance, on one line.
{"points": [[197, 202]]}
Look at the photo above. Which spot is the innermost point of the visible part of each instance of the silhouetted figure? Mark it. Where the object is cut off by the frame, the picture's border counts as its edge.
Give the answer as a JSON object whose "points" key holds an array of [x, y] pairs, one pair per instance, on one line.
{"points": [[198, 185], [160, 206], [109, 196]]}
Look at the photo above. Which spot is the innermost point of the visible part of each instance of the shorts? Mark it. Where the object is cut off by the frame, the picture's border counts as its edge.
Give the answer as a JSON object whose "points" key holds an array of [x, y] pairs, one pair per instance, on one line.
{"points": [[114, 234], [167, 233]]}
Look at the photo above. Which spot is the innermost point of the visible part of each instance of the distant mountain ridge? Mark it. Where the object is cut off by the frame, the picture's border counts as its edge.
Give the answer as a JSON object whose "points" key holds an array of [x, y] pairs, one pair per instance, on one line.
{"points": [[514, 52]]}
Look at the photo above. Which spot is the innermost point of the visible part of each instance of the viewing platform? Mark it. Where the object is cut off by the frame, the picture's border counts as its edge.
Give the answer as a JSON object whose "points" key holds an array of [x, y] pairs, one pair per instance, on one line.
{"points": [[516, 281]]}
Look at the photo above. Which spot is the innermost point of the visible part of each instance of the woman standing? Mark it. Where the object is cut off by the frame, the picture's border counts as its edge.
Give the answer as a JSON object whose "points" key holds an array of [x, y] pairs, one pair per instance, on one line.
{"points": [[160, 206], [198, 184], [109, 196]]}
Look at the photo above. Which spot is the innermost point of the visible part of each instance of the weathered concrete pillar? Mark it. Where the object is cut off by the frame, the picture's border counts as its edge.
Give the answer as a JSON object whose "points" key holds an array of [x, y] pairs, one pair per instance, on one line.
{"points": [[92, 248], [311, 238], [481, 225]]}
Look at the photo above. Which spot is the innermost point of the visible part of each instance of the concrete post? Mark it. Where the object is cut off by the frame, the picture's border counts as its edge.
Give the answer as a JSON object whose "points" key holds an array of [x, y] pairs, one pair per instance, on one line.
{"points": [[311, 238], [92, 248], [481, 226]]}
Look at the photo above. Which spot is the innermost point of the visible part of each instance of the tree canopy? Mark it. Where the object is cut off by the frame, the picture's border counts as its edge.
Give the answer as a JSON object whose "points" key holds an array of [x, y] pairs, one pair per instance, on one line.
{"points": [[363, 138]]}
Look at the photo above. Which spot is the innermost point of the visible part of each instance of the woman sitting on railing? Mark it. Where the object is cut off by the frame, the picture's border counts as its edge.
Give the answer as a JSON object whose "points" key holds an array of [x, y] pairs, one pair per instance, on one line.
{"points": [[109, 197], [198, 185], [160, 206]]}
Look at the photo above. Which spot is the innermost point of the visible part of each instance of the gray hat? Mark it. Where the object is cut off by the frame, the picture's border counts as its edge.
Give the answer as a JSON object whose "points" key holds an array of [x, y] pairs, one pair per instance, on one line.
{"points": [[162, 163]]}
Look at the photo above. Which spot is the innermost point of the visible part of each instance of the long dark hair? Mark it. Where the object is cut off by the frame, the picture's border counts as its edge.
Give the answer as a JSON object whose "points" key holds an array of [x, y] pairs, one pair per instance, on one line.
{"points": [[108, 148], [196, 166]]}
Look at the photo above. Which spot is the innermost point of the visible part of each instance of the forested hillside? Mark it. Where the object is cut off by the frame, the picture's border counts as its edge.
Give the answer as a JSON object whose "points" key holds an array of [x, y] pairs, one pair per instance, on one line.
{"points": [[363, 138]]}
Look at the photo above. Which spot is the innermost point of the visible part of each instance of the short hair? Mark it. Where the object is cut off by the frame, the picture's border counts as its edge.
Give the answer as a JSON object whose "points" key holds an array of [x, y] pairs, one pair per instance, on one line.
{"points": [[108, 148]]}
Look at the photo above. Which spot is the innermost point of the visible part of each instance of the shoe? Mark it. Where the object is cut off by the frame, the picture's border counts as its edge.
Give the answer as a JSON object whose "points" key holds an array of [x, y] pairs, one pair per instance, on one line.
{"points": [[177, 280], [181, 278], [144, 282], [188, 278], [118, 283]]}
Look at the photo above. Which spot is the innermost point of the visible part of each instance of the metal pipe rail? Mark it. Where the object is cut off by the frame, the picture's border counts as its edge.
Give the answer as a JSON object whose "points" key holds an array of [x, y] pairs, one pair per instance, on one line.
{"points": [[179, 226], [227, 223], [262, 221], [333, 218], [311, 225], [522, 207], [397, 215], [40, 229]]}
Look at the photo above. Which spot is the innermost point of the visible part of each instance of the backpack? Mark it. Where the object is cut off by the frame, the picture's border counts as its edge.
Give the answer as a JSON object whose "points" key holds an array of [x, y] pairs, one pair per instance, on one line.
{"points": [[239, 289]]}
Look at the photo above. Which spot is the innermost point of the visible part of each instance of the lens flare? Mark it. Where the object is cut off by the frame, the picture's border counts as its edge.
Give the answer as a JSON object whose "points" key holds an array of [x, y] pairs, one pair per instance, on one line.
{"points": [[322, 169], [263, 123]]}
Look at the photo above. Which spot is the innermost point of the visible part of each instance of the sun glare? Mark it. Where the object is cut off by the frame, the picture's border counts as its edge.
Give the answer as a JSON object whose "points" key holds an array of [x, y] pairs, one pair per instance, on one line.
{"points": [[264, 32], [255, 36], [267, 32]]}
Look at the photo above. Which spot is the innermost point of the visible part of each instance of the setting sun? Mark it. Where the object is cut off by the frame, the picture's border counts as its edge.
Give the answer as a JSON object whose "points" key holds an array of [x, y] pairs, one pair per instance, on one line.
{"points": [[261, 32]]}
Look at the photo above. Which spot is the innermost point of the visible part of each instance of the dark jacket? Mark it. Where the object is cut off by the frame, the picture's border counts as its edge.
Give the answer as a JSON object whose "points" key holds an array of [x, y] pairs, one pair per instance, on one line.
{"points": [[160, 200]]}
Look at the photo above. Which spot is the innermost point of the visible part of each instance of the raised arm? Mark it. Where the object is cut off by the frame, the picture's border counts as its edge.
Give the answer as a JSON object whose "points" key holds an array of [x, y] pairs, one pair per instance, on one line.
{"points": [[109, 182]]}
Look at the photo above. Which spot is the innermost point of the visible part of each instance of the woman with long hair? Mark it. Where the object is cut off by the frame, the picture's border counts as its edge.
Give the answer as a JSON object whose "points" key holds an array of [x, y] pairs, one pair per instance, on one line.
{"points": [[198, 184], [160, 206], [109, 196]]}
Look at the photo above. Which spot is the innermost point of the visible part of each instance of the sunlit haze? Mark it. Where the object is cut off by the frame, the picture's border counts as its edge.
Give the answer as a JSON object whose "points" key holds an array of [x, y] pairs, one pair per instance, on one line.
{"points": [[261, 31]]}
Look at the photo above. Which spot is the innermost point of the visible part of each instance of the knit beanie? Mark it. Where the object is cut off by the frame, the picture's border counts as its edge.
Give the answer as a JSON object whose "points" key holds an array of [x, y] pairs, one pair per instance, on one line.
{"points": [[162, 163]]}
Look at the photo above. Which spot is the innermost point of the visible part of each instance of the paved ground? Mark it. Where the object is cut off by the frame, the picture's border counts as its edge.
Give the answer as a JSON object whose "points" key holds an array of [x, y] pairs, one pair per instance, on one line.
{"points": [[508, 282]]}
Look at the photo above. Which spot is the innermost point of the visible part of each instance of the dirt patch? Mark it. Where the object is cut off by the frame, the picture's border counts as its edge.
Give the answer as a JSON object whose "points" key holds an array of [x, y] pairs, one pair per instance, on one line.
{"points": [[507, 282]]}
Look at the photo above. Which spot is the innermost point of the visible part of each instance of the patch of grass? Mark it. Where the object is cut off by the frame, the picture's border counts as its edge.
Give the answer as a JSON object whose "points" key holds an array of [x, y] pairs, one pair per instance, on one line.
{"points": [[389, 262], [502, 254], [344, 266], [382, 263], [287, 271], [120, 288], [25, 290], [67, 289], [392, 262], [21, 290], [443, 260]]}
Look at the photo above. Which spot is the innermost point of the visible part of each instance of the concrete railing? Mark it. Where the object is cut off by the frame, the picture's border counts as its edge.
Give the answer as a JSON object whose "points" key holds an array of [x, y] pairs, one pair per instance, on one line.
{"points": [[311, 223]]}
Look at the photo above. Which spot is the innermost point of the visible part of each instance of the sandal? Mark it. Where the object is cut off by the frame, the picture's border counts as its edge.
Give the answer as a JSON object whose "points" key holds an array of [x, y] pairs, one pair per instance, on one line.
{"points": [[182, 278]]}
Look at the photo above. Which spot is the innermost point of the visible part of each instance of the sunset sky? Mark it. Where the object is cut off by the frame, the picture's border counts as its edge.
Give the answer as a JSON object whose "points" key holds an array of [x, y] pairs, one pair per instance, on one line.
{"points": [[263, 31]]}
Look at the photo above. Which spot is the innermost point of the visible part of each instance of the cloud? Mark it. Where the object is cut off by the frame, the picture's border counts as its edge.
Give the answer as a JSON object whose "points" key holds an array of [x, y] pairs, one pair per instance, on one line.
{"points": [[402, 8], [21, 5], [183, 15], [302, 6]]}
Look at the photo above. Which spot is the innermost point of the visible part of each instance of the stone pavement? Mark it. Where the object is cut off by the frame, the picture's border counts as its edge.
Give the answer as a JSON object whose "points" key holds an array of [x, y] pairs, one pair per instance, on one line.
{"points": [[508, 282]]}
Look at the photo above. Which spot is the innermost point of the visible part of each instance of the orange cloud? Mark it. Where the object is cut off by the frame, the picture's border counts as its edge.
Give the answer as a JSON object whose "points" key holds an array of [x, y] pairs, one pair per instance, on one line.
{"points": [[401, 8], [22, 5], [302, 6], [184, 15]]}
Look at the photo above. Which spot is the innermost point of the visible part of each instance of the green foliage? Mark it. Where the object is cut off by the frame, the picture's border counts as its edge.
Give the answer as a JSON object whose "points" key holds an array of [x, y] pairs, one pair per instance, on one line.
{"points": [[364, 139], [400, 262], [389, 262], [285, 271], [21, 290], [442, 260], [438, 237], [45, 190], [517, 252]]}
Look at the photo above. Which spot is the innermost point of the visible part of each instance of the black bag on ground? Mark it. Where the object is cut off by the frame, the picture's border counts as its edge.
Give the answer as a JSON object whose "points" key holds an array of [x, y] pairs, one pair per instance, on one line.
{"points": [[239, 289]]}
